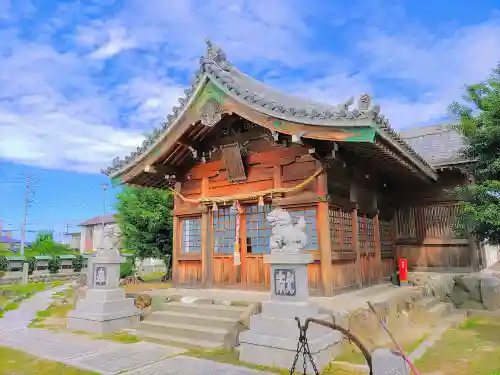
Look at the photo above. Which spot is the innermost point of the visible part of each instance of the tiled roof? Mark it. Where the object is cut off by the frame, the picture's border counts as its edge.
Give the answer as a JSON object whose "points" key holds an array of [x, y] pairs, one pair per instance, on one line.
{"points": [[110, 218], [215, 66], [438, 144]]}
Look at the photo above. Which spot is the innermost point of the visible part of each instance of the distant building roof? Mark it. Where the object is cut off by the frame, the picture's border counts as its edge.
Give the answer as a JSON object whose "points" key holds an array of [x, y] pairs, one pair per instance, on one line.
{"points": [[106, 219], [439, 145], [6, 239]]}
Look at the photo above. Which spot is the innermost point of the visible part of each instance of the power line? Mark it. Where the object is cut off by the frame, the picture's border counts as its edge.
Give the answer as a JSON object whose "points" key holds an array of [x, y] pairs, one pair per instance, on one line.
{"points": [[27, 196]]}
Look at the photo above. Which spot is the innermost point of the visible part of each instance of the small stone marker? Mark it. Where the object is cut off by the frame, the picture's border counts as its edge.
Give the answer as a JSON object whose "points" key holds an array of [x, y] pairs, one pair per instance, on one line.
{"points": [[25, 273], [386, 362]]}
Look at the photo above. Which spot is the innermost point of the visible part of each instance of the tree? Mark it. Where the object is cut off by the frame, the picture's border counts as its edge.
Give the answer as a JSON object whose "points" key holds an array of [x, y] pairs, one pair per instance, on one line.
{"points": [[44, 244], [478, 120], [145, 220]]}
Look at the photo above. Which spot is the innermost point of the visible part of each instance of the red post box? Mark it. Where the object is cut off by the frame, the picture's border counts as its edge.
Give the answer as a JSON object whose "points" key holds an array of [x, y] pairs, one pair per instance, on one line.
{"points": [[403, 271]]}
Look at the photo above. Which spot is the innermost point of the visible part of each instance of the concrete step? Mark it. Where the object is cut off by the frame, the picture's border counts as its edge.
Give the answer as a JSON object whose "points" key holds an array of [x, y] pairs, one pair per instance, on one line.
{"points": [[176, 341], [203, 309], [192, 319], [184, 330]]}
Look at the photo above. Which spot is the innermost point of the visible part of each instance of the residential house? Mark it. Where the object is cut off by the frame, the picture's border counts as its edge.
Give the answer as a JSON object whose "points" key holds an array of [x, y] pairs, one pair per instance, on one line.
{"points": [[92, 236]]}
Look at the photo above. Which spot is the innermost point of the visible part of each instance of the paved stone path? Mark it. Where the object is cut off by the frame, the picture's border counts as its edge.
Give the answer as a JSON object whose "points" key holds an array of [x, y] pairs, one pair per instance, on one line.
{"points": [[101, 356]]}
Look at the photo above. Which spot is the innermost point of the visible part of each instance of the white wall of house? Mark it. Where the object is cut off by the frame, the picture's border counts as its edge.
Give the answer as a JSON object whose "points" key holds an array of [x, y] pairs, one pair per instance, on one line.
{"points": [[95, 232], [491, 254]]}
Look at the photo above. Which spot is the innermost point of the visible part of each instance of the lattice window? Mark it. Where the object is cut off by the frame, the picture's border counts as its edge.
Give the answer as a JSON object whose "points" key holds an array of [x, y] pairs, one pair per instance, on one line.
{"points": [[224, 230], [366, 239], [258, 230], [310, 219], [406, 223], [191, 235], [386, 239], [439, 220], [340, 230]]}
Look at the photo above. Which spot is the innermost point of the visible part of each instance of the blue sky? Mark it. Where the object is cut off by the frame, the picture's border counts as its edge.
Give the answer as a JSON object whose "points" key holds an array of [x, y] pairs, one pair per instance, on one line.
{"points": [[82, 81]]}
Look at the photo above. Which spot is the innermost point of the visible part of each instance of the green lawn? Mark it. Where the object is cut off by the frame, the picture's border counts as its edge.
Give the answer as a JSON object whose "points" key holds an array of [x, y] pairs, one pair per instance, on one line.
{"points": [[24, 291], [471, 349], [15, 362]]}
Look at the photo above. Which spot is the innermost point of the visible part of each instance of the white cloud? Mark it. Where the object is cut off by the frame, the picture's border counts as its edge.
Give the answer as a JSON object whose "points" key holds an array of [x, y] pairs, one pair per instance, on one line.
{"points": [[77, 108]]}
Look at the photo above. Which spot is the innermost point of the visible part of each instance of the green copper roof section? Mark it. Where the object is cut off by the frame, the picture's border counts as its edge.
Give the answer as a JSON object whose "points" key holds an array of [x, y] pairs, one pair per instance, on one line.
{"points": [[360, 134]]}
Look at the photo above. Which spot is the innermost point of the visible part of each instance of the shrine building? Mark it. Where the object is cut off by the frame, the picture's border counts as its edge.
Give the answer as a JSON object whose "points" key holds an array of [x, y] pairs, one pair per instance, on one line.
{"points": [[233, 148]]}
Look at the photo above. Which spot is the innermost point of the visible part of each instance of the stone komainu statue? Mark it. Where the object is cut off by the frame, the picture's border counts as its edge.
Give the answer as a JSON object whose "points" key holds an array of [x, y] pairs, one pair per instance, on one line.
{"points": [[286, 236]]}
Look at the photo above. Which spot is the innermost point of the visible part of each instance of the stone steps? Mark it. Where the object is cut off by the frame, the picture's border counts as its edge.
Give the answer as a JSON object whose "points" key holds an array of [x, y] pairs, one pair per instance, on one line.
{"points": [[185, 330], [176, 341], [192, 319], [191, 325], [203, 309]]}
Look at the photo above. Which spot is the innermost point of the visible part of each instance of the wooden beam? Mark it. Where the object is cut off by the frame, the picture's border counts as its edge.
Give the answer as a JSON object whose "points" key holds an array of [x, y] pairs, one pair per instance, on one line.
{"points": [[161, 169], [323, 228]]}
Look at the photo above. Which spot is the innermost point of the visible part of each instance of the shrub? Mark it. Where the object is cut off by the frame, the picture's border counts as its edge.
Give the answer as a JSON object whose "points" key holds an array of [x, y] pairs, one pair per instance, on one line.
{"points": [[127, 268], [31, 265], [54, 265], [4, 264], [77, 263]]}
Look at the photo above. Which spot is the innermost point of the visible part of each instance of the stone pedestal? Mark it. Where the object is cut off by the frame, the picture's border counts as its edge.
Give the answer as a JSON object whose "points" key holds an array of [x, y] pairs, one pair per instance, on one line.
{"points": [[105, 308], [273, 335]]}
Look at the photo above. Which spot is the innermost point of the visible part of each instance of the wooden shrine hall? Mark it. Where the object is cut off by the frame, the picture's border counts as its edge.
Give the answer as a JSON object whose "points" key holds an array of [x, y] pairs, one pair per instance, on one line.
{"points": [[234, 148]]}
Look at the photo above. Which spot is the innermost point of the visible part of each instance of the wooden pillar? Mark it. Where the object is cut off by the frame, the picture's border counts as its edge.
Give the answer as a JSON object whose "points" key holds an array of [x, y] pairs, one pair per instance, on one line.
{"points": [[395, 232], [176, 236], [472, 241], [376, 240], [206, 254], [323, 229], [355, 233]]}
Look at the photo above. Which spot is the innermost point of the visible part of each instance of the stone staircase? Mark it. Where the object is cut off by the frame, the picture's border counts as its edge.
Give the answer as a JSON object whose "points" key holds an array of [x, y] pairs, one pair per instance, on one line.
{"points": [[192, 326]]}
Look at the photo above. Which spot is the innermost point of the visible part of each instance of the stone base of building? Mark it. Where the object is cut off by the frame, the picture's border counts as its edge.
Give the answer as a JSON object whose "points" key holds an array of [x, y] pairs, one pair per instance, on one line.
{"points": [[104, 311], [273, 337]]}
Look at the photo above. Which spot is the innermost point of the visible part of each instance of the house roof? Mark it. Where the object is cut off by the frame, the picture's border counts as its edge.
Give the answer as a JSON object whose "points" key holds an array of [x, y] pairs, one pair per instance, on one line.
{"points": [[106, 219], [439, 144], [215, 67], [6, 239]]}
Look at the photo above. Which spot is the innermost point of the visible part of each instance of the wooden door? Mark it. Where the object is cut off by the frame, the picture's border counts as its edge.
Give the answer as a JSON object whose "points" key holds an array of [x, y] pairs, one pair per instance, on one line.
{"points": [[255, 234], [224, 229]]}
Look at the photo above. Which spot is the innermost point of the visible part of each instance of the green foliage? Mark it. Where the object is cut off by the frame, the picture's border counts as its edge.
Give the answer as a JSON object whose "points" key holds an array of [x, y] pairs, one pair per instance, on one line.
{"points": [[77, 263], [478, 120], [4, 264], [144, 217], [31, 265], [45, 245], [127, 268], [54, 264]]}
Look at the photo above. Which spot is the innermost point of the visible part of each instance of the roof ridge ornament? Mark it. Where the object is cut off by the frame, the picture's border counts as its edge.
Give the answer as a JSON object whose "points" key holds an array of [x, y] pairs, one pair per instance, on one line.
{"points": [[216, 54]]}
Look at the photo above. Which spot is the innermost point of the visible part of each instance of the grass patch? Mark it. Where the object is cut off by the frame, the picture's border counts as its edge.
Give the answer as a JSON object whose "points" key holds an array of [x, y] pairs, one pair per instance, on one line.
{"points": [[55, 310], [471, 349], [352, 354], [232, 357], [142, 287], [153, 276], [15, 362], [240, 303], [123, 337]]}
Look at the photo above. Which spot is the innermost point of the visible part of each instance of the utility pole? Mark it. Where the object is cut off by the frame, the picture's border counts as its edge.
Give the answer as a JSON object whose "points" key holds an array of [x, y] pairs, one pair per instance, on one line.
{"points": [[66, 234], [104, 191], [27, 194]]}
